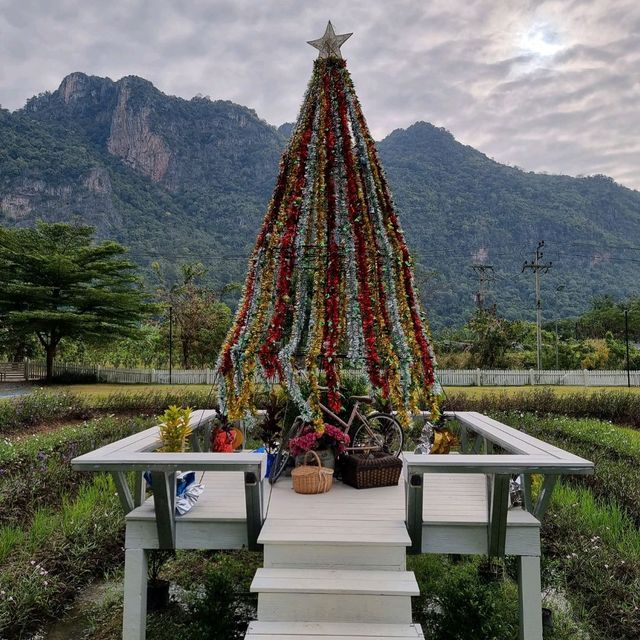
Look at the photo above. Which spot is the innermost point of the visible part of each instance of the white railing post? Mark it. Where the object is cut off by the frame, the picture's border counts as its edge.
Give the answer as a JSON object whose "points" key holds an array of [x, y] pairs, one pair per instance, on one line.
{"points": [[26, 369], [585, 377], [532, 379], [478, 378], [154, 376]]}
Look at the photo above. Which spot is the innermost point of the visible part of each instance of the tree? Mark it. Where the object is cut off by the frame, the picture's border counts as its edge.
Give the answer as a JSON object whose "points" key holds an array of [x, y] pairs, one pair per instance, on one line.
{"points": [[492, 337], [202, 321], [57, 282]]}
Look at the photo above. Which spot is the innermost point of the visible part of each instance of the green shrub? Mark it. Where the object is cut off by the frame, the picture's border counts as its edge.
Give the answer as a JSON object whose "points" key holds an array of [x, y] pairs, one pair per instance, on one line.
{"points": [[36, 472], [41, 406], [45, 407], [619, 406], [456, 604]]}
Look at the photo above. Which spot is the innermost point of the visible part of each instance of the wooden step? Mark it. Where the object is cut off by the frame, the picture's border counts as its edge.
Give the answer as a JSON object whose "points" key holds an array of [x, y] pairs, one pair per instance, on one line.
{"points": [[348, 532], [322, 595], [332, 630], [353, 544]]}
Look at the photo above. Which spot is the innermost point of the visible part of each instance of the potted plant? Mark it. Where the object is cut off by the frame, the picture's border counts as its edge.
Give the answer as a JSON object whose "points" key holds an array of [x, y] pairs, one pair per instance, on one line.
{"points": [[328, 442], [271, 426], [175, 429], [223, 436], [157, 588]]}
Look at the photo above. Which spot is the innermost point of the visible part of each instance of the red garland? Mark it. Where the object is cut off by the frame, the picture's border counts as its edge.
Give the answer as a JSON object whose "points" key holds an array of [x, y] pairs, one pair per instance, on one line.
{"points": [[419, 332], [284, 282], [226, 363], [364, 293]]}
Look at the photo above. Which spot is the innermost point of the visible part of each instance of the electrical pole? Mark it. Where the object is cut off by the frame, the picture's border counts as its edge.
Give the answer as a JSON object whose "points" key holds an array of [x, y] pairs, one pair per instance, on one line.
{"points": [[626, 337], [538, 269], [485, 275], [170, 341]]}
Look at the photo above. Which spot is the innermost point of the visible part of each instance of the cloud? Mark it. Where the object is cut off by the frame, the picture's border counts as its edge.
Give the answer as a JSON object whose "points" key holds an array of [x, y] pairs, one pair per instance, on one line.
{"points": [[546, 85]]}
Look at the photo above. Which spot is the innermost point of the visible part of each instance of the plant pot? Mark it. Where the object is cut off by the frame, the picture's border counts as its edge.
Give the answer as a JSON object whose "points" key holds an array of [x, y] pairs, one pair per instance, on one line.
{"points": [[157, 594], [327, 457]]}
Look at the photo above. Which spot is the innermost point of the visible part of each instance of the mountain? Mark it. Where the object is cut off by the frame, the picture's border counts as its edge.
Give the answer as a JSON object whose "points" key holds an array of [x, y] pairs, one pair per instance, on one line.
{"points": [[186, 180]]}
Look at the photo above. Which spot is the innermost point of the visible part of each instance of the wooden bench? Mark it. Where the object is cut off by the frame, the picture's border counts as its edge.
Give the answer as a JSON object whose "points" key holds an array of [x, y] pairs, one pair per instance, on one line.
{"points": [[459, 504], [228, 515]]}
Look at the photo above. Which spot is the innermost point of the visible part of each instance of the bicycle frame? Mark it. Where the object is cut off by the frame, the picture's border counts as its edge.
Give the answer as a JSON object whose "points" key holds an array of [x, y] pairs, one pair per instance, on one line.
{"points": [[347, 425]]}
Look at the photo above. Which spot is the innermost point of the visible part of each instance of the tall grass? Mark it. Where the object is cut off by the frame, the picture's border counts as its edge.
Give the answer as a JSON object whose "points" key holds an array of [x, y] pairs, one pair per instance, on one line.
{"points": [[597, 547], [41, 568], [36, 472]]}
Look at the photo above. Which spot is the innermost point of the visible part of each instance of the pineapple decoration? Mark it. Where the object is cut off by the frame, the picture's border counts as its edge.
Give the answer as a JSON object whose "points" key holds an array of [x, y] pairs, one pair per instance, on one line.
{"points": [[330, 282]]}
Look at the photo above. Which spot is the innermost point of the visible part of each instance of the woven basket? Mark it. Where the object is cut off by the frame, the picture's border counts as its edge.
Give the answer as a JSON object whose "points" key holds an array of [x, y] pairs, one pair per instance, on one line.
{"points": [[375, 469], [312, 479]]}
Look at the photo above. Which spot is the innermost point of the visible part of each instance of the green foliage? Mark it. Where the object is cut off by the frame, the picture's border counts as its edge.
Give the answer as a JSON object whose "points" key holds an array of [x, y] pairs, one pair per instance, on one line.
{"points": [[38, 407], [597, 548], [201, 321], [456, 604], [614, 450], [58, 283], [215, 613]]}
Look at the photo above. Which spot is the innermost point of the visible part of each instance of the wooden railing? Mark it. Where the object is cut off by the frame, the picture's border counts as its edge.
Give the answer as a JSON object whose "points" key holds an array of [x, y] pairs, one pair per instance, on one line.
{"points": [[520, 455], [138, 453]]}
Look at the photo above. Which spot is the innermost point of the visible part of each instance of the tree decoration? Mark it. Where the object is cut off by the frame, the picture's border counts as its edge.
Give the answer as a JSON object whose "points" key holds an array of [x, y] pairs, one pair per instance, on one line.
{"points": [[330, 282]]}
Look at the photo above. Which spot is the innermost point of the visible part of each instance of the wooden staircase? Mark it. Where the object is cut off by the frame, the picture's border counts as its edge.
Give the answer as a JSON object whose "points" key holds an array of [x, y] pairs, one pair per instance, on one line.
{"points": [[341, 579]]}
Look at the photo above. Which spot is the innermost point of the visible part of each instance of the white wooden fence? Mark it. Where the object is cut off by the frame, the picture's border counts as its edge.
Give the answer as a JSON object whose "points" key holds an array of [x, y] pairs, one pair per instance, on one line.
{"points": [[448, 377]]}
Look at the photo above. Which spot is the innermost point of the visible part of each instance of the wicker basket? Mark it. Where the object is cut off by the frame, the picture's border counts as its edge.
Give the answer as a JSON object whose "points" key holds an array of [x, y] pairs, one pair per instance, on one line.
{"points": [[312, 479], [375, 469]]}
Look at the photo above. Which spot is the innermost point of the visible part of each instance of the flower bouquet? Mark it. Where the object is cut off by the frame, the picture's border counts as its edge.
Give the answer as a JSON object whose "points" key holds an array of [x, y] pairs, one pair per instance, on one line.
{"points": [[328, 442]]}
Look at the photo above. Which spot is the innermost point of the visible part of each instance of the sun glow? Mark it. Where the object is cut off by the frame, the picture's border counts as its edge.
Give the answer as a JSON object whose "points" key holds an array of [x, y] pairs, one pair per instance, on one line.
{"points": [[540, 40]]}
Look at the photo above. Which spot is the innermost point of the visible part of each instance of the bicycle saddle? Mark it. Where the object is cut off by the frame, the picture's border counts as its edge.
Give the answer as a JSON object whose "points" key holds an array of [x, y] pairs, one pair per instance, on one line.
{"points": [[365, 399]]}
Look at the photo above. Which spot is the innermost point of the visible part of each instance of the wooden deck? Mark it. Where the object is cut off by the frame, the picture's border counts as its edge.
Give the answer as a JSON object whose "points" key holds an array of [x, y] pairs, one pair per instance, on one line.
{"points": [[335, 564]]}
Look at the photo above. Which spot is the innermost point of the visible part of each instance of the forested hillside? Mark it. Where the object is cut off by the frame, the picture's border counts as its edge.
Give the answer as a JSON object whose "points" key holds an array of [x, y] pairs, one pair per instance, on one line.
{"points": [[188, 180]]}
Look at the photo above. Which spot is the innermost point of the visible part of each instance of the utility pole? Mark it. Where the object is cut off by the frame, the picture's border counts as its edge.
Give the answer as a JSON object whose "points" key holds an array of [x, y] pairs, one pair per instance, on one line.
{"points": [[170, 341], [626, 337], [538, 269], [485, 275]]}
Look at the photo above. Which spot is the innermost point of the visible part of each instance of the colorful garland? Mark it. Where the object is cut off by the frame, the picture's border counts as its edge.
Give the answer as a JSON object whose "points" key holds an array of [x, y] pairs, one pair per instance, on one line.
{"points": [[330, 283]]}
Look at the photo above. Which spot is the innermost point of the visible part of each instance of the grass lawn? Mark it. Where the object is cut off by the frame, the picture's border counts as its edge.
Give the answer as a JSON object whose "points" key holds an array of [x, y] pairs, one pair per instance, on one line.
{"points": [[102, 390], [476, 392]]}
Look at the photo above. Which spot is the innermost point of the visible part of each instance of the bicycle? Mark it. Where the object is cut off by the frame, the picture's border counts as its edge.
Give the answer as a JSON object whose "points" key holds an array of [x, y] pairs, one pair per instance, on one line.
{"points": [[377, 431]]}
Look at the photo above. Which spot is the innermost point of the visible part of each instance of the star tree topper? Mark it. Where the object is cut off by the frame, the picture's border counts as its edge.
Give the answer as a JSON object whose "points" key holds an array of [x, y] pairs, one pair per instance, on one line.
{"points": [[330, 43]]}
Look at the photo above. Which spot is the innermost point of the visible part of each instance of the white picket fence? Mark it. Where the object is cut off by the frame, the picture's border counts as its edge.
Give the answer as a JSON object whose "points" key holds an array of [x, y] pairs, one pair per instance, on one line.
{"points": [[448, 377]]}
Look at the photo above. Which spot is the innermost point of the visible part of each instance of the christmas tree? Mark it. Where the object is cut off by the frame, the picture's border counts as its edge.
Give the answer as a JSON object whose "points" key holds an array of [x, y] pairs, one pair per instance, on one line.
{"points": [[330, 283]]}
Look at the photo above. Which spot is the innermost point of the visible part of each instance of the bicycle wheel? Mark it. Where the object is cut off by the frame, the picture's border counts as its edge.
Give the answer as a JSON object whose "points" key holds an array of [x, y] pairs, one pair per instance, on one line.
{"points": [[382, 432], [283, 455]]}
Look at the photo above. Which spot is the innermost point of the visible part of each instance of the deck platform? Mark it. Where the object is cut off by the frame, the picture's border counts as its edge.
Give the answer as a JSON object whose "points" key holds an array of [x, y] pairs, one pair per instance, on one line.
{"points": [[334, 564]]}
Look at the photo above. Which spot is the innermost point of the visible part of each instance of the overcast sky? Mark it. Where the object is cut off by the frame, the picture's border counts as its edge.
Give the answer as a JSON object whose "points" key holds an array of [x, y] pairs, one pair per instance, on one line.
{"points": [[548, 86]]}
